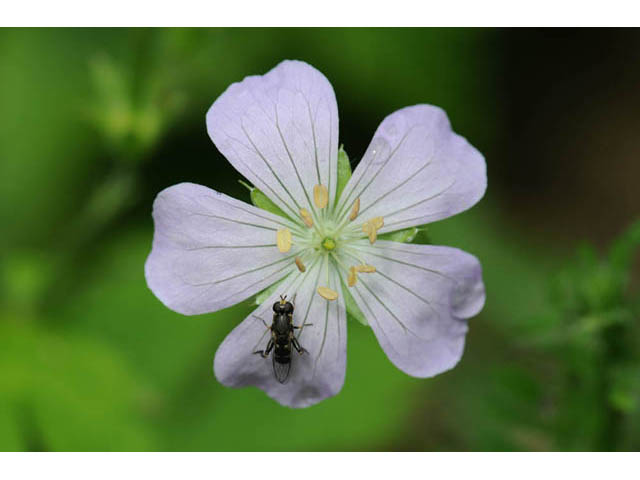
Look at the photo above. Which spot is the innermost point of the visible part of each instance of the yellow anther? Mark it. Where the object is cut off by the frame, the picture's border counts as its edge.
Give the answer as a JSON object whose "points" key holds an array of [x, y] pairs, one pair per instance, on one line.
{"points": [[355, 209], [352, 278], [283, 240], [327, 293], [371, 228], [364, 268], [377, 222], [371, 231], [300, 265], [306, 217], [320, 196]]}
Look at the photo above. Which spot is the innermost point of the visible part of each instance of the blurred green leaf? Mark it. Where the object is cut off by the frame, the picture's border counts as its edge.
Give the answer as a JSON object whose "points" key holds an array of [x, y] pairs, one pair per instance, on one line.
{"points": [[68, 393], [624, 249], [163, 345]]}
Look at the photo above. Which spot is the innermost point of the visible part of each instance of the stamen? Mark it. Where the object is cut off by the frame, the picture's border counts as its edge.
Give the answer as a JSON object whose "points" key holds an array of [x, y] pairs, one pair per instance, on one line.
{"points": [[320, 196], [371, 231], [355, 209], [300, 265], [306, 217], [352, 278], [377, 222], [371, 228], [327, 293], [283, 240], [365, 268]]}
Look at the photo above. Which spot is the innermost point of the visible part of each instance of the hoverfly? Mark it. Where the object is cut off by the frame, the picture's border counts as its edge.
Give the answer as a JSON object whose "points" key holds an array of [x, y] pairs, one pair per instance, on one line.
{"points": [[282, 338]]}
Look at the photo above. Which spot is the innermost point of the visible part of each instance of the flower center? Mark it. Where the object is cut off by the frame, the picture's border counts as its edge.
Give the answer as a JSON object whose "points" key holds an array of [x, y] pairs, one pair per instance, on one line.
{"points": [[328, 244], [330, 237]]}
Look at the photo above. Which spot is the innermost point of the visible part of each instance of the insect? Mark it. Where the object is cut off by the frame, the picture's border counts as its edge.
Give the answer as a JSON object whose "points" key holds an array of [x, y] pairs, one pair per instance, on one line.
{"points": [[282, 338]]}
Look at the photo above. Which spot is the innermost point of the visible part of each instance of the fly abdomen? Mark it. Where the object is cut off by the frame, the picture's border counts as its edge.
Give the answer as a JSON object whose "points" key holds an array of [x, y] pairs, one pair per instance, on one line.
{"points": [[282, 352], [282, 360]]}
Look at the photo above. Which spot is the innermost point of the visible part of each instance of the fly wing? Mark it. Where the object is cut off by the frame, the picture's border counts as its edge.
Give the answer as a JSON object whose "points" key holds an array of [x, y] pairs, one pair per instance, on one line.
{"points": [[280, 370]]}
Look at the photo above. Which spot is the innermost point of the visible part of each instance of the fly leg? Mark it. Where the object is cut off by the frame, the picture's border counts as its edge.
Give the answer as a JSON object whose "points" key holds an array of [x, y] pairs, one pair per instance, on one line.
{"points": [[265, 353], [297, 346], [262, 320]]}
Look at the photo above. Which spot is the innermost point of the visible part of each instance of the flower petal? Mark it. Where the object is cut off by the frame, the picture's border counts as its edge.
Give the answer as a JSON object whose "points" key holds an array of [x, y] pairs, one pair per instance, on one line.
{"points": [[417, 302], [315, 375], [416, 170], [280, 130], [211, 251]]}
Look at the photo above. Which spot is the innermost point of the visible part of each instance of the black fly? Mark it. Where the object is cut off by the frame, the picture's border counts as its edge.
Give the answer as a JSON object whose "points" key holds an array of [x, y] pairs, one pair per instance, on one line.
{"points": [[282, 338]]}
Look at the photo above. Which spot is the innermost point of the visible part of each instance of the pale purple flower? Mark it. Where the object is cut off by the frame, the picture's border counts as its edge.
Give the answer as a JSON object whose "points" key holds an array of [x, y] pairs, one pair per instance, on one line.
{"points": [[280, 131]]}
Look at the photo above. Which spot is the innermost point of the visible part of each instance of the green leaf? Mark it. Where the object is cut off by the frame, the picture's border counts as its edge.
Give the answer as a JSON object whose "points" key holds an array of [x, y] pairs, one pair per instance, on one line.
{"points": [[625, 388], [344, 172], [260, 200], [11, 439], [624, 248], [67, 392], [161, 344]]}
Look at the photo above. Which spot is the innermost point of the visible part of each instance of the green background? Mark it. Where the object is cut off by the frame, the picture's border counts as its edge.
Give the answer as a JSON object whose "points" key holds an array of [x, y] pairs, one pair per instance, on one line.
{"points": [[95, 122]]}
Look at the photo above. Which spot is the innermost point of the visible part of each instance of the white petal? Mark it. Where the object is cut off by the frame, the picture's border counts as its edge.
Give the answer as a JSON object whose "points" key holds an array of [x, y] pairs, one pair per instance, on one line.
{"points": [[417, 302], [211, 251], [416, 170], [280, 130], [314, 376]]}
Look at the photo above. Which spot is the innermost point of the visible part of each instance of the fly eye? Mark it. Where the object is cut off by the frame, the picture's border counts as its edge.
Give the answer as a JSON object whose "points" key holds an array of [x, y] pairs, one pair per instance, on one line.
{"points": [[277, 307], [288, 308]]}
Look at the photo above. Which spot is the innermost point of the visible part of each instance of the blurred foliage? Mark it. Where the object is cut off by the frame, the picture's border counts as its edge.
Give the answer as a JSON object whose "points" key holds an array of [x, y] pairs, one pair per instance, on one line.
{"points": [[96, 122]]}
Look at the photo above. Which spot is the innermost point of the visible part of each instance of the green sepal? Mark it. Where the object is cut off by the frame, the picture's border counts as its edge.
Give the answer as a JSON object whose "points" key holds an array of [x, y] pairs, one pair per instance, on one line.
{"points": [[353, 310], [263, 202], [405, 236], [408, 235], [344, 172], [422, 237]]}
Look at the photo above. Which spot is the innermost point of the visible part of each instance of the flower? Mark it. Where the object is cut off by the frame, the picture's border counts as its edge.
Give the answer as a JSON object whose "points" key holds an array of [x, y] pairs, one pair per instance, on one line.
{"points": [[280, 131]]}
